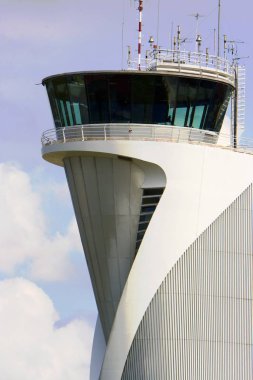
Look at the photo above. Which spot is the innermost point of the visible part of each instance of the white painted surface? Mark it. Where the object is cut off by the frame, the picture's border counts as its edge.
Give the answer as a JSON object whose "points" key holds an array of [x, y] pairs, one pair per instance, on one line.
{"points": [[98, 351], [202, 181], [199, 323]]}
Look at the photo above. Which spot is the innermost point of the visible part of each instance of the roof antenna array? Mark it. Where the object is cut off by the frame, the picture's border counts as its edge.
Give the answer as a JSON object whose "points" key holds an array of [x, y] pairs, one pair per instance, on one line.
{"points": [[178, 41]]}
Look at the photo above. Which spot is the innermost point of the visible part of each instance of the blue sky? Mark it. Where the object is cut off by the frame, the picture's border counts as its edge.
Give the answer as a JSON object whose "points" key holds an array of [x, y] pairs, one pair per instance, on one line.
{"points": [[41, 257]]}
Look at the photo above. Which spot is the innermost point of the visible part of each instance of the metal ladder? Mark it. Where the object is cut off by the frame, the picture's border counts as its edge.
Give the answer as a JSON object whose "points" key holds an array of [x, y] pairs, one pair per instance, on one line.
{"points": [[241, 75]]}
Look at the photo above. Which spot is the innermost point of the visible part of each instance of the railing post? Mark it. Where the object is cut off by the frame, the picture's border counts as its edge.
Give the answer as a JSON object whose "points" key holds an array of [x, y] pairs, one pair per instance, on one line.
{"points": [[64, 137], [82, 133], [105, 132]]}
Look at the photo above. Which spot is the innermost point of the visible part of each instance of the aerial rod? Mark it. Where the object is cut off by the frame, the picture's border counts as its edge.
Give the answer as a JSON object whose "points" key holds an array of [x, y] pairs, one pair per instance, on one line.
{"points": [[122, 34], [140, 9], [171, 35], [232, 48], [197, 17], [225, 40], [214, 41], [178, 37], [219, 9], [158, 22]]}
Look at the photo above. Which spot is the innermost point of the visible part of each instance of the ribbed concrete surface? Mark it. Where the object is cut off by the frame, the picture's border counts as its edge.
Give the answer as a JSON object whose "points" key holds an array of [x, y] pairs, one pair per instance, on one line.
{"points": [[106, 194], [199, 324]]}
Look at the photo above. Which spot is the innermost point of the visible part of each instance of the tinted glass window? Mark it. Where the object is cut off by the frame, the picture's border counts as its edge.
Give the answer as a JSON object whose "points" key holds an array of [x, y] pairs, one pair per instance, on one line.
{"points": [[54, 105], [78, 100], [137, 98], [119, 90], [142, 99], [98, 99], [61, 97]]}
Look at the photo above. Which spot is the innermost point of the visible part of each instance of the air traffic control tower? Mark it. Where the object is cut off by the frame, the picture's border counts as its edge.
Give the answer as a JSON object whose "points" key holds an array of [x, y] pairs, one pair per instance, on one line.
{"points": [[163, 201]]}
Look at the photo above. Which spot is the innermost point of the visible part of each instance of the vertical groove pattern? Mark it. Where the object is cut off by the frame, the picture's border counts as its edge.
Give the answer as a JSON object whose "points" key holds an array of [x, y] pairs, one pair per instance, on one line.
{"points": [[106, 195], [199, 323]]}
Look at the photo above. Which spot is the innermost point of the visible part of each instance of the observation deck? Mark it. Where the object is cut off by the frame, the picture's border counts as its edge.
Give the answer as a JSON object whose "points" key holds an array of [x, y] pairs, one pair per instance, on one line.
{"points": [[187, 63], [178, 96]]}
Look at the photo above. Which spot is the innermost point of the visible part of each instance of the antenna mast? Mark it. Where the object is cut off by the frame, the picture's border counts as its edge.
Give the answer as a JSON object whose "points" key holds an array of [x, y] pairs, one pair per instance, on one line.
{"points": [[219, 28], [197, 17], [158, 21], [140, 9]]}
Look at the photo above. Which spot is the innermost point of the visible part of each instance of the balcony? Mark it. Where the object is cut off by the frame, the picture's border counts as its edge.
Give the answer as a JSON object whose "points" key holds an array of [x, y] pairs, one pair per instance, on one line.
{"points": [[143, 132], [188, 63]]}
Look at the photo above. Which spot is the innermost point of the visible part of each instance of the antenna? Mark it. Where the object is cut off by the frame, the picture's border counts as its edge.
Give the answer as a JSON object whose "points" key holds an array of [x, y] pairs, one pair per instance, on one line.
{"points": [[129, 55], [174, 43], [214, 41], [122, 33], [219, 6], [198, 41], [151, 41], [197, 17], [178, 37], [158, 22], [207, 56], [225, 46], [171, 35], [140, 9], [232, 48]]}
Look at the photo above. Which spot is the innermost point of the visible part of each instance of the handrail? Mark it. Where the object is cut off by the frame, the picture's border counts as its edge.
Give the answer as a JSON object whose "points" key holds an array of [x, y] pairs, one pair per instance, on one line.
{"points": [[143, 132], [181, 58]]}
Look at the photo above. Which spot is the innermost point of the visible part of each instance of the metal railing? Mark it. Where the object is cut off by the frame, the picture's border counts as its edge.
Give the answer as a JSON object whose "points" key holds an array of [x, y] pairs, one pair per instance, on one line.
{"points": [[143, 132], [181, 58], [191, 58]]}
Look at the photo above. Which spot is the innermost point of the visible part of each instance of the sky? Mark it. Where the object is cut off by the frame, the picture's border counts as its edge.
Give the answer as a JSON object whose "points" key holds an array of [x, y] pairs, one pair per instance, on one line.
{"points": [[47, 310]]}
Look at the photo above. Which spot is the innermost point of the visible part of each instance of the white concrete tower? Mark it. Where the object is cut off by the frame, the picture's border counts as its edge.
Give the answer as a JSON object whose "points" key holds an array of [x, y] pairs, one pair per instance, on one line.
{"points": [[164, 207]]}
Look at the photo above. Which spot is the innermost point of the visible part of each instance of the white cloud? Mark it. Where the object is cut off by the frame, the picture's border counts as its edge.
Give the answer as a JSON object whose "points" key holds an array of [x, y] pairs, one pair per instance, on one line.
{"points": [[47, 185], [30, 346], [24, 239]]}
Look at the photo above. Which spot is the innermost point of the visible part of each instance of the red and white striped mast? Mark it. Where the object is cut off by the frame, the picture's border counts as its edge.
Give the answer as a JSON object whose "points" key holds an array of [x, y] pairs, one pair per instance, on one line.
{"points": [[140, 9]]}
